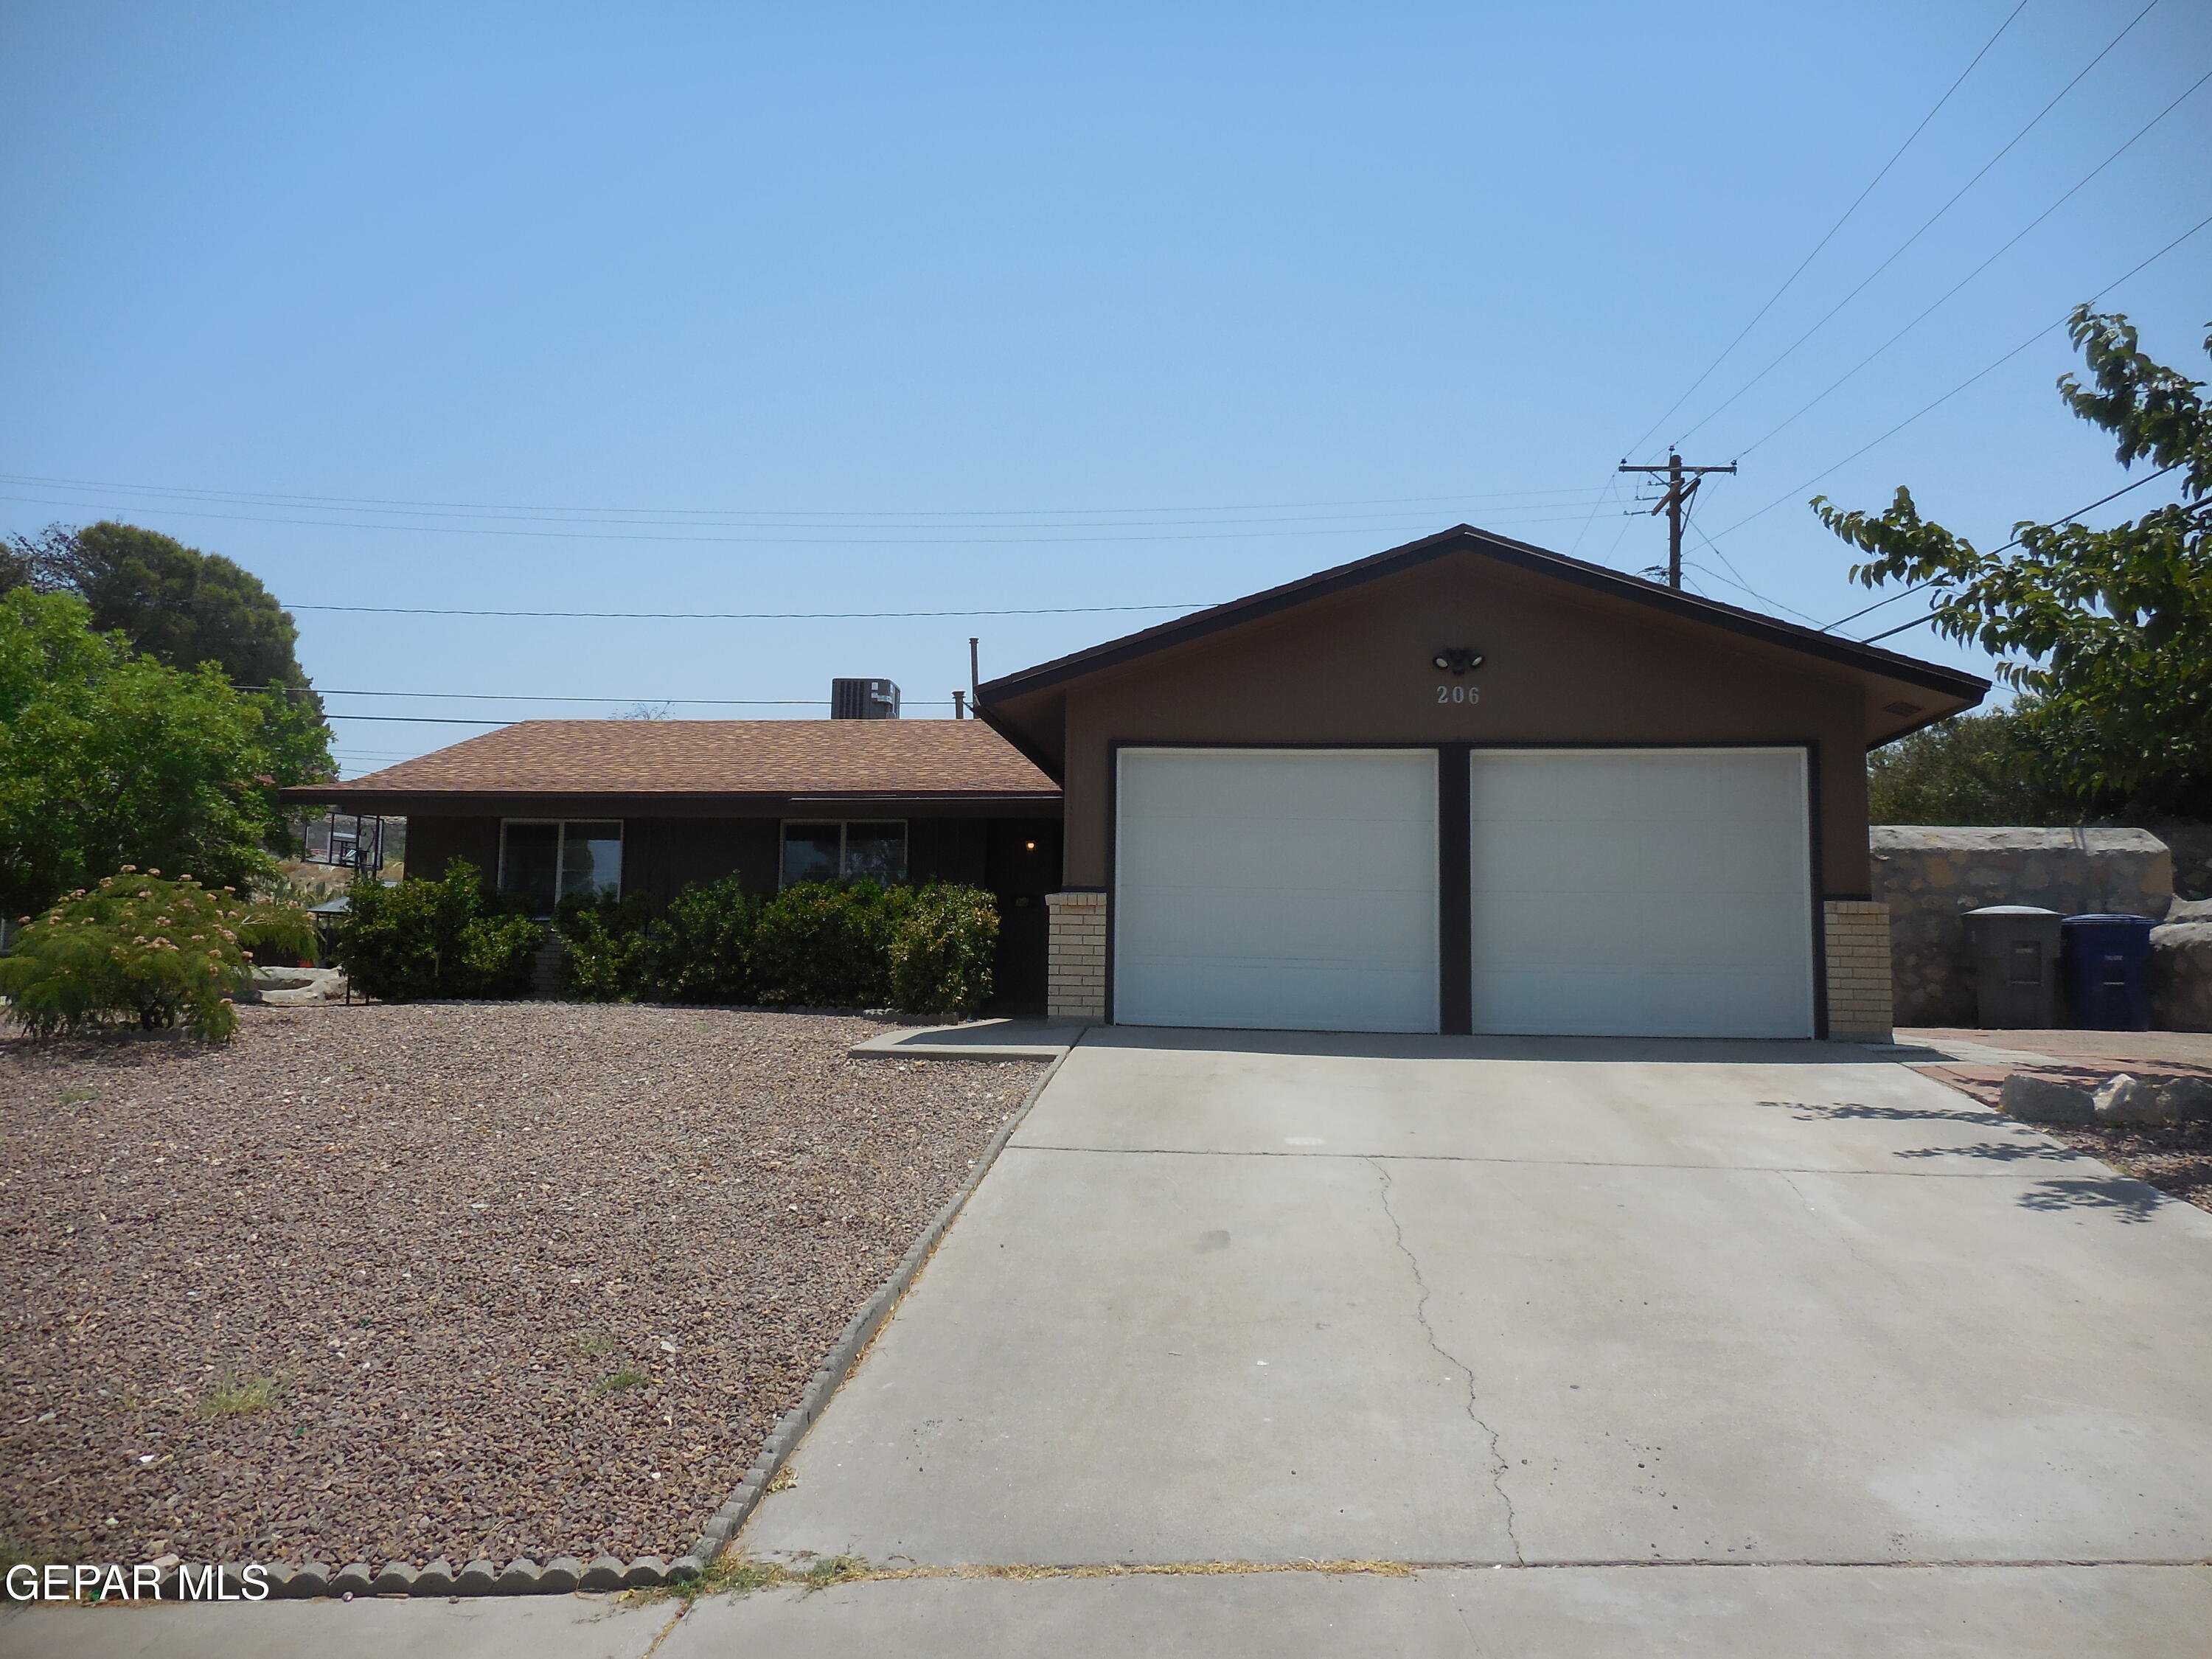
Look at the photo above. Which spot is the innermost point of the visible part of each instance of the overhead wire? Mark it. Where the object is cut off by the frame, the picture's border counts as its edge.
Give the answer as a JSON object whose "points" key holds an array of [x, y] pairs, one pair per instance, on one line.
{"points": [[1925, 226], [1790, 281], [1980, 374], [2015, 238], [280, 499], [748, 616], [879, 539]]}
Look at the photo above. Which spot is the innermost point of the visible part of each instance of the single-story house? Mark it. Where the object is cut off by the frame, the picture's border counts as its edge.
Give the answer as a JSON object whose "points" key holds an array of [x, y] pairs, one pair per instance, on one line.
{"points": [[1463, 786], [1470, 785], [546, 809]]}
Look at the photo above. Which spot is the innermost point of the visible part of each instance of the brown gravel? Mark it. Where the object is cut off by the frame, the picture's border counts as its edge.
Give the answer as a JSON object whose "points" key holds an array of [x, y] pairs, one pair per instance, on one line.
{"points": [[453, 1279], [2174, 1158]]}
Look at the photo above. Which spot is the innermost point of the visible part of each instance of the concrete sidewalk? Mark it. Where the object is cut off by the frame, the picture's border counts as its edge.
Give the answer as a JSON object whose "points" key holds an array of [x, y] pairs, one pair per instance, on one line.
{"points": [[1529, 1612]]}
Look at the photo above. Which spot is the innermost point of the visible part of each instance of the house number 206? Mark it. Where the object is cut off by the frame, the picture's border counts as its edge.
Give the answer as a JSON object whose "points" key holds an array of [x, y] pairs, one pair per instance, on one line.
{"points": [[1459, 693]]}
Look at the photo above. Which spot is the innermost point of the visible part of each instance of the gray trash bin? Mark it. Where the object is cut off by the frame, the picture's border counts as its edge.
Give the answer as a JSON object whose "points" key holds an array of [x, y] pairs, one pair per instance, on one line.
{"points": [[2015, 952]]}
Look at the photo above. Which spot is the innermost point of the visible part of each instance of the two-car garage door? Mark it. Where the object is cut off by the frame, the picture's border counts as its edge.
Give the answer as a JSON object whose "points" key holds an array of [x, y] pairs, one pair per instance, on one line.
{"points": [[1621, 892]]}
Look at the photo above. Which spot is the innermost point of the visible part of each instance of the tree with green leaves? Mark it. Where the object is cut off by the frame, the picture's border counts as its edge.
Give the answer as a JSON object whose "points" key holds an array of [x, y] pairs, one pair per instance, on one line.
{"points": [[2105, 634], [176, 603], [109, 758]]}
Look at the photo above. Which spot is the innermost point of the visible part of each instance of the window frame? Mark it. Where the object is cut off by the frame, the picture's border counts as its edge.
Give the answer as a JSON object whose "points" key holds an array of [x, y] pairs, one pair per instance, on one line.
{"points": [[561, 853], [844, 836]]}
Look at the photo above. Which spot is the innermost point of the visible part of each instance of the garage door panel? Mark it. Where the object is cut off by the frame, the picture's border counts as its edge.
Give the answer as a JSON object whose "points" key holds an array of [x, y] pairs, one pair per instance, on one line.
{"points": [[1167, 924], [1292, 890], [1348, 854], [1263, 993], [1641, 893]]}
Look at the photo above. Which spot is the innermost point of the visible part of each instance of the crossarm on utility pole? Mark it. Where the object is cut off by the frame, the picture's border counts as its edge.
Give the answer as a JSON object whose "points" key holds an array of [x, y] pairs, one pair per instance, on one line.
{"points": [[1682, 482]]}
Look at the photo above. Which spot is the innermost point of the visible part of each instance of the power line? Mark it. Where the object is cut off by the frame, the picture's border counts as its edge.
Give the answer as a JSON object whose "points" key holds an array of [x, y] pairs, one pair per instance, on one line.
{"points": [[1987, 263], [278, 499], [1789, 495], [1925, 226], [1902, 593], [519, 696], [841, 523], [1788, 281], [1900, 628], [878, 540], [752, 616], [418, 719]]}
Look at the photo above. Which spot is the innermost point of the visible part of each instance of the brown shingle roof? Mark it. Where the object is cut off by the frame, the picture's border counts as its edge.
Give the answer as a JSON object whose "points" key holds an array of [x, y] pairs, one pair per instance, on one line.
{"points": [[706, 757]]}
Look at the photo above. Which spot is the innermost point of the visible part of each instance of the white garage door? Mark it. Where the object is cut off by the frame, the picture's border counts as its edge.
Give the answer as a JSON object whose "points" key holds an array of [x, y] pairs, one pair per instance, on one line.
{"points": [[1642, 893], [1292, 890]]}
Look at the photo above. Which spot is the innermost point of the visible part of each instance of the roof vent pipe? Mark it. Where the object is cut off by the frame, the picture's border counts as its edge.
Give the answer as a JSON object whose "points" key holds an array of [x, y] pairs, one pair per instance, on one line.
{"points": [[863, 699]]}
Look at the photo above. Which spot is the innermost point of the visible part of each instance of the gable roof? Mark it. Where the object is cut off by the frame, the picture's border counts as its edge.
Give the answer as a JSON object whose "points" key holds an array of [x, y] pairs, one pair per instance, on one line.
{"points": [[1466, 538], [691, 762]]}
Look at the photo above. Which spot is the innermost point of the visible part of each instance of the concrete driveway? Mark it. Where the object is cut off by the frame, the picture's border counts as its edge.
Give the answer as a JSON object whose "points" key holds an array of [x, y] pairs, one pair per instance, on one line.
{"points": [[1556, 1304]]}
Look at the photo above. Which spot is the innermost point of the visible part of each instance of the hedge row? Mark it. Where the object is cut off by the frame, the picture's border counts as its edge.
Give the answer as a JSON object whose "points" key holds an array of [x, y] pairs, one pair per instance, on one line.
{"points": [[924, 950]]}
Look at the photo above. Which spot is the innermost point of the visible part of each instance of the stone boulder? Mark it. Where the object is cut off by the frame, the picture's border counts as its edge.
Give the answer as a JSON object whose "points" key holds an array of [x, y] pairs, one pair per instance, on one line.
{"points": [[2181, 975], [2033, 1099], [2125, 1099]]}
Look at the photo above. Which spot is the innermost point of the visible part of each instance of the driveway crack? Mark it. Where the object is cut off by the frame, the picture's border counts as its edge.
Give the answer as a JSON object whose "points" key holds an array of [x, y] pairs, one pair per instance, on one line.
{"points": [[1497, 1463]]}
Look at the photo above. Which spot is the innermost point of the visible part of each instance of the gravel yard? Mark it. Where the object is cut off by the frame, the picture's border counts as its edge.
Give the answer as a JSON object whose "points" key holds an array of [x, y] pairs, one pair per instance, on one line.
{"points": [[451, 1279]]}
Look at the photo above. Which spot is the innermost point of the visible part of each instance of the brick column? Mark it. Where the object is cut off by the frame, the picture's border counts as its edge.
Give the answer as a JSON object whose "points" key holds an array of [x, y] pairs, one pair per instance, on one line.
{"points": [[1075, 976], [1858, 969]]}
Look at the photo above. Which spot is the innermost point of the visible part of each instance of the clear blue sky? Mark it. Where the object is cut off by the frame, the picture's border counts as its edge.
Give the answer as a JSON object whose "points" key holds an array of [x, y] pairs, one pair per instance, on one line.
{"points": [[856, 307]]}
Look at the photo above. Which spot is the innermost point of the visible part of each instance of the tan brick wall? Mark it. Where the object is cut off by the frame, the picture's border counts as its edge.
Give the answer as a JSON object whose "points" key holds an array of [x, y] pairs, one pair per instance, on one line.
{"points": [[1075, 976], [1858, 969]]}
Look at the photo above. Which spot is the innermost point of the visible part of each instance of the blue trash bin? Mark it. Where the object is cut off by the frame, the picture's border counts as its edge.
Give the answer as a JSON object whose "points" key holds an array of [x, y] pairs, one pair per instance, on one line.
{"points": [[2104, 964]]}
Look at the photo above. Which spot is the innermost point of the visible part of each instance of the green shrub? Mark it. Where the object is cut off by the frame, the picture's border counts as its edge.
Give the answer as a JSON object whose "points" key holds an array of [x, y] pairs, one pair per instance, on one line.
{"points": [[827, 943], [605, 960], [939, 951], [144, 951], [701, 950], [447, 937]]}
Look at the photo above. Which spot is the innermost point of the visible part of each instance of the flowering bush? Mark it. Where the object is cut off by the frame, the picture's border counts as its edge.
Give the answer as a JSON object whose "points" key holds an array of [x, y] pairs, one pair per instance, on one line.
{"points": [[146, 950]]}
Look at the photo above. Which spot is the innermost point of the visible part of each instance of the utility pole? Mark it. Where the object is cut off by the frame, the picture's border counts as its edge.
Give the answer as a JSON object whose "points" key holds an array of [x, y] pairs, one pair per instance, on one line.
{"points": [[1682, 482]]}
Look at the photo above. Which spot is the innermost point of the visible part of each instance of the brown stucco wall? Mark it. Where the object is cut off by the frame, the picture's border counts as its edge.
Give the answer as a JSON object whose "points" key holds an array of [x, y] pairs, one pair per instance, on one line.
{"points": [[1564, 666], [432, 843], [661, 856]]}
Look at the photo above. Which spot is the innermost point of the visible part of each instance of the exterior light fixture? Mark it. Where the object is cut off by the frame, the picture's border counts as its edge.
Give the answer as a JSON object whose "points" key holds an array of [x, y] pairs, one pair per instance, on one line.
{"points": [[1458, 659], [1028, 846]]}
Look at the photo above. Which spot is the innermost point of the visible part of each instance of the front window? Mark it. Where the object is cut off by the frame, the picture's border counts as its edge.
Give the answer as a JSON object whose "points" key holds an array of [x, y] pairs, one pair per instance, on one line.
{"points": [[826, 849], [543, 861]]}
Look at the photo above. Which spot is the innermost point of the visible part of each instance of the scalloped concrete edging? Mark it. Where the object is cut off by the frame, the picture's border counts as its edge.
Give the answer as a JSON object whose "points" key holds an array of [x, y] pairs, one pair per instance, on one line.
{"points": [[565, 1573]]}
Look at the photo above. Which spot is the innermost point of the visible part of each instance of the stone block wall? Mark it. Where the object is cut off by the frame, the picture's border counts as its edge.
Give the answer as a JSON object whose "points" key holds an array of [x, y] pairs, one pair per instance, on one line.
{"points": [[1930, 876], [1075, 973], [1855, 932]]}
